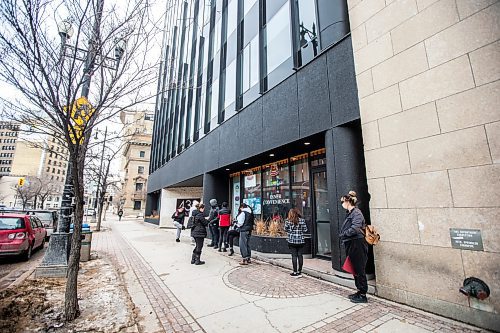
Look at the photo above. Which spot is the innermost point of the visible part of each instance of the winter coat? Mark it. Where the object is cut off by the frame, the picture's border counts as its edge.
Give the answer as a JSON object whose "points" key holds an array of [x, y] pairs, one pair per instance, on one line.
{"points": [[245, 220], [213, 217], [353, 225], [296, 232], [199, 228], [224, 217]]}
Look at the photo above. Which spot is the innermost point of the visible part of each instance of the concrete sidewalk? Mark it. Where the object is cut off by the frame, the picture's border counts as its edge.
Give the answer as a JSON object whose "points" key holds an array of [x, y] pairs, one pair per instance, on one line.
{"points": [[171, 295]]}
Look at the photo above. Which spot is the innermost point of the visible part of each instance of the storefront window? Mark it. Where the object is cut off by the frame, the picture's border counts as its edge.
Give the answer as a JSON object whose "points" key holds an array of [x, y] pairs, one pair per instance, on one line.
{"points": [[276, 191], [252, 189], [301, 196]]}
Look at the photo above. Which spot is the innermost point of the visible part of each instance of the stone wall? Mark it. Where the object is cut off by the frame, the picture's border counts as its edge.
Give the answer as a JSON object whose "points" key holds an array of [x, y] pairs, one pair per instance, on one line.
{"points": [[428, 83]]}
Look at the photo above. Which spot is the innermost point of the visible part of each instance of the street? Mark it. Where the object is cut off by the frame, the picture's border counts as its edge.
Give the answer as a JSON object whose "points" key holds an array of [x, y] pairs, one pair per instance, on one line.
{"points": [[222, 296], [11, 268]]}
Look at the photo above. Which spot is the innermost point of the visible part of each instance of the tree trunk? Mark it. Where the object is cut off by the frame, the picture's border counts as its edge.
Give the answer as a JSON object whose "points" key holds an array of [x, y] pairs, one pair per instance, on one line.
{"points": [[71, 308], [99, 217]]}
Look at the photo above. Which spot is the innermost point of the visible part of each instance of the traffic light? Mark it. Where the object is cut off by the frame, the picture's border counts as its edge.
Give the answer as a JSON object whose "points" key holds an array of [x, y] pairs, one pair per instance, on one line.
{"points": [[20, 182]]}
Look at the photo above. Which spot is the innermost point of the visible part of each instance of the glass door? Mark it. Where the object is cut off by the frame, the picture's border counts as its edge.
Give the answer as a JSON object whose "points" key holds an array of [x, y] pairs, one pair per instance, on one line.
{"points": [[323, 243]]}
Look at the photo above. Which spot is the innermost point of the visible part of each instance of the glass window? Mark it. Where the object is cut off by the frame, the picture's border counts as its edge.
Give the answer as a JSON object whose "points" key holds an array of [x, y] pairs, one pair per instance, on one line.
{"points": [[142, 153], [230, 92], [11, 223], [140, 169], [299, 178], [137, 205], [307, 30], [252, 189], [278, 44], [251, 64], [139, 186], [276, 191]]}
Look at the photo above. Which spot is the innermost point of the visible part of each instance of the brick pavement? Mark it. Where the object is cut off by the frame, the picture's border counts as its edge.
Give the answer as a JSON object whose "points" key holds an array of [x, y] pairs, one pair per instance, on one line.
{"points": [[265, 280], [170, 312]]}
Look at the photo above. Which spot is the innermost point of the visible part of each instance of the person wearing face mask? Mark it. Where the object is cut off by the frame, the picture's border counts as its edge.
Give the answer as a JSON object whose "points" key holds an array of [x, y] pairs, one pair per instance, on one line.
{"points": [[356, 248]]}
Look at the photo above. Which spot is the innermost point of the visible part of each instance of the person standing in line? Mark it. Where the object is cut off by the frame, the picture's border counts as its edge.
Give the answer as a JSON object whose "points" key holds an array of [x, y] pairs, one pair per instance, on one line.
{"points": [[178, 217], [356, 248], [194, 208], [224, 223], [120, 214], [199, 232], [245, 221], [213, 226], [296, 226]]}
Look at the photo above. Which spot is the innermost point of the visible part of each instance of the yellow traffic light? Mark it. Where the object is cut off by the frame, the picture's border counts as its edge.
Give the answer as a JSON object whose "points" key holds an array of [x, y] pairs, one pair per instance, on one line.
{"points": [[20, 182]]}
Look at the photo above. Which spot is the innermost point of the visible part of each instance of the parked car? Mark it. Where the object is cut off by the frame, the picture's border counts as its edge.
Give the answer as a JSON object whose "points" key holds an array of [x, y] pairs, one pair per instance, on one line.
{"points": [[49, 219], [20, 234]]}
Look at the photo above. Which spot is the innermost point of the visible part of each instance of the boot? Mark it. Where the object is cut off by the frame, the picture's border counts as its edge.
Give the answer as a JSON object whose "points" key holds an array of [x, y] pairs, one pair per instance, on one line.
{"points": [[193, 258], [220, 249], [198, 261], [231, 252]]}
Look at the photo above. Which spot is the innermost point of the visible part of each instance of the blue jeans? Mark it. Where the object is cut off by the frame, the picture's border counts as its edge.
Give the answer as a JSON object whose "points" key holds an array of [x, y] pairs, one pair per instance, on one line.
{"points": [[245, 250]]}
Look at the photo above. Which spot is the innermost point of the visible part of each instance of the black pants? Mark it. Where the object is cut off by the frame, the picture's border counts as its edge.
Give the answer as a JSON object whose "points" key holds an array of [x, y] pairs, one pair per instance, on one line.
{"points": [[230, 237], [357, 250], [296, 250], [223, 236], [199, 245], [214, 232]]}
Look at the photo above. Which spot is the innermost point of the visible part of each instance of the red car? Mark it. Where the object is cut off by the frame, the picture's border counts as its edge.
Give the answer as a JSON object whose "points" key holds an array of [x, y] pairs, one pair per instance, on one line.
{"points": [[20, 234]]}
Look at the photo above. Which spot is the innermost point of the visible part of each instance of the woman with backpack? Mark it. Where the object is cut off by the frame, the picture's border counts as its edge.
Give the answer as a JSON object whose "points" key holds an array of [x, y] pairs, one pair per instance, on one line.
{"points": [[178, 217], [296, 226], [245, 220], [356, 248]]}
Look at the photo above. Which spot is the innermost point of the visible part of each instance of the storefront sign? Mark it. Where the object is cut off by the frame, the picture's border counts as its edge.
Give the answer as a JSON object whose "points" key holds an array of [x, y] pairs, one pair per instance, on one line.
{"points": [[236, 198], [276, 199], [466, 239]]}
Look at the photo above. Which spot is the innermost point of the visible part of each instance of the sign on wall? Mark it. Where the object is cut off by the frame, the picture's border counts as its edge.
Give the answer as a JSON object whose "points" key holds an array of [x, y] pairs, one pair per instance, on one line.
{"points": [[466, 239], [188, 204]]}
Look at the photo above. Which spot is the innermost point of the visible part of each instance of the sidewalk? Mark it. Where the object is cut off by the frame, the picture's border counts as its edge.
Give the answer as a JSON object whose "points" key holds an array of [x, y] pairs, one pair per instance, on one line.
{"points": [[171, 295]]}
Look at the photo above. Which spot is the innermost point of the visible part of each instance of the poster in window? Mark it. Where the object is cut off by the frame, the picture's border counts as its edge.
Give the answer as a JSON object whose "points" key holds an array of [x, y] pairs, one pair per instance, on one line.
{"points": [[254, 203], [250, 181]]}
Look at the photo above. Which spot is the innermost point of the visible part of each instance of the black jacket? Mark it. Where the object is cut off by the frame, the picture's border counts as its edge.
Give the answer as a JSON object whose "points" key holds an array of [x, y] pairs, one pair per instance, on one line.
{"points": [[200, 225], [249, 221], [353, 225], [180, 217]]}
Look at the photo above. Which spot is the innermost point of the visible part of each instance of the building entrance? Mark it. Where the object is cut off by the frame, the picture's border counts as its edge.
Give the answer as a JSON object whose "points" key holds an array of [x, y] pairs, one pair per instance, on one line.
{"points": [[321, 213]]}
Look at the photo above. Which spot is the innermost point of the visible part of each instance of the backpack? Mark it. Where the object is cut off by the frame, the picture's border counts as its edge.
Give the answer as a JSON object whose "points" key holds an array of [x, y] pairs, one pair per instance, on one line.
{"points": [[372, 237], [249, 220]]}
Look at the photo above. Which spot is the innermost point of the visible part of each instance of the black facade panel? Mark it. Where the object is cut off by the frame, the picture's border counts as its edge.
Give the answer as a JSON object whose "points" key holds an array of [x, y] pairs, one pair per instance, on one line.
{"points": [[250, 130], [342, 83], [313, 97], [280, 113], [215, 186], [211, 151], [229, 144]]}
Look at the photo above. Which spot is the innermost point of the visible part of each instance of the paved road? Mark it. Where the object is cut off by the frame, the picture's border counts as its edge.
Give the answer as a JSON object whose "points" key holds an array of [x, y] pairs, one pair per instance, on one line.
{"points": [[11, 268], [222, 296]]}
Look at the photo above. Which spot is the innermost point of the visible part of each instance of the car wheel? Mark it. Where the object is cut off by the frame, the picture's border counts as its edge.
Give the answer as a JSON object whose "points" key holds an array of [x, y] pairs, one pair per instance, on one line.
{"points": [[27, 254]]}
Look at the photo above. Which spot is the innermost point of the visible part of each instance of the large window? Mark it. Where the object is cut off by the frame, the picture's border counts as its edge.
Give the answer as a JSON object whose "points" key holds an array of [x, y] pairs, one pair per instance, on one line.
{"points": [[299, 178], [275, 191], [307, 30], [277, 42]]}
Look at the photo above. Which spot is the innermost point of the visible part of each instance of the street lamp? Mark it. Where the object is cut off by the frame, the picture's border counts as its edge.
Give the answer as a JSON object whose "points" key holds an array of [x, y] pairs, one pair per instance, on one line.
{"points": [[100, 172], [55, 261]]}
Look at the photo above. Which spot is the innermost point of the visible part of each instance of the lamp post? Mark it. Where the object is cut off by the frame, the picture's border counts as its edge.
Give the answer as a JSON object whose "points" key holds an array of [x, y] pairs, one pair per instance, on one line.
{"points": [[55, 261]]}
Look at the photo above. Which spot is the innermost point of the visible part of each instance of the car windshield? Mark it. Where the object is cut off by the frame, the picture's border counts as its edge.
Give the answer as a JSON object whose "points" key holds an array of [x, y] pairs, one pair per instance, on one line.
{"points": [[11, 223]]}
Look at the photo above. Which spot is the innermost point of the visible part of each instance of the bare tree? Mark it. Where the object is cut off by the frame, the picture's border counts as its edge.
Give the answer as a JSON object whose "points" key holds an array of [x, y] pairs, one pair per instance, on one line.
{"points": [[28, 192], [47, 189], [50, 75]]}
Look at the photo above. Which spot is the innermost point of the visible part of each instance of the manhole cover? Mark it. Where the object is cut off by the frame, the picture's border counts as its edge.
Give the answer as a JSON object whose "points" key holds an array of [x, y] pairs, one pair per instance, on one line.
{"points": [[270, 281]]}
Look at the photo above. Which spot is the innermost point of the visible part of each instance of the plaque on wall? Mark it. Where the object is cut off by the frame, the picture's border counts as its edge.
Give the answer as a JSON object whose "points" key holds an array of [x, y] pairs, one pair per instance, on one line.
{"points": [[466, 239]]}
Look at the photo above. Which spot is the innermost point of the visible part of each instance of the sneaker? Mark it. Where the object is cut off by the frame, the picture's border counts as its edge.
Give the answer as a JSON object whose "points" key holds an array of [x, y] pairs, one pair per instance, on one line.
{"points": [[294, 274], [360, 298], [231, 252], [249, 261], [177, 240], [353, 295]]}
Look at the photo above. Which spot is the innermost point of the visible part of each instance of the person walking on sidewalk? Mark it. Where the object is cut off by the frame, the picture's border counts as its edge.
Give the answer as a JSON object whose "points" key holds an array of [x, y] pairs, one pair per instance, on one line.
{"points": [[245, 225], [296, 226], [199, 232], [224, 223], [213, 227], [356, 248], [178, 217], [120, 214]]}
